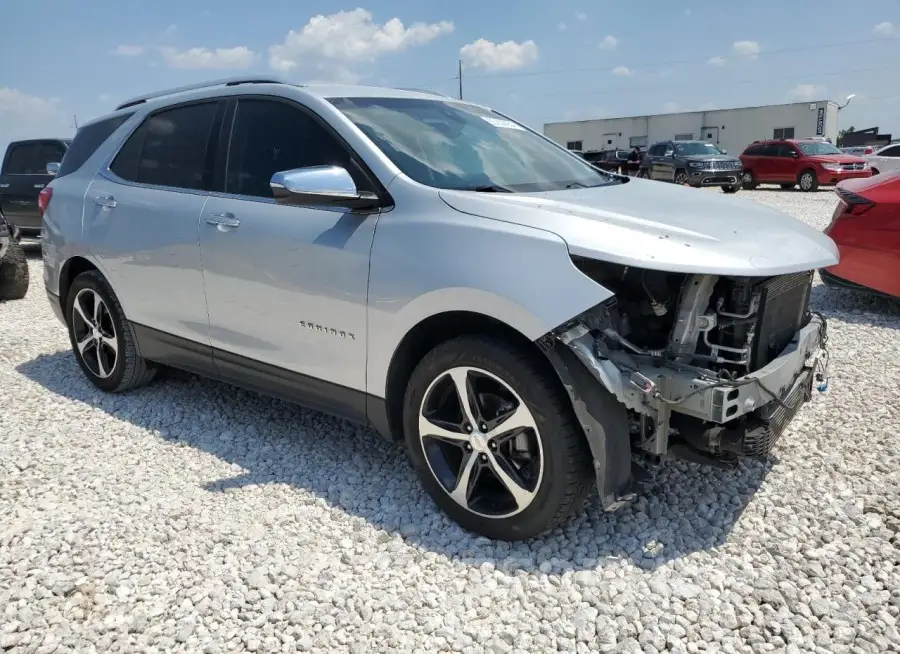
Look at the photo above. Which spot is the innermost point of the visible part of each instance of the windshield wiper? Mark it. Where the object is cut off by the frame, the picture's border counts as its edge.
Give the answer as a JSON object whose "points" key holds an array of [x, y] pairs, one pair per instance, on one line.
{"points": [[489, 188]]}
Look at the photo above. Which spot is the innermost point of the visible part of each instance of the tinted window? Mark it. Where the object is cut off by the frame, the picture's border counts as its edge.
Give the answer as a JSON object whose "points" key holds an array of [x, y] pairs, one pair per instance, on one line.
{"points": [[784, 150], [87, 140], [269, 137], [890, 152], [753, 150], [171, 148], [447, 144], [32, 158]]}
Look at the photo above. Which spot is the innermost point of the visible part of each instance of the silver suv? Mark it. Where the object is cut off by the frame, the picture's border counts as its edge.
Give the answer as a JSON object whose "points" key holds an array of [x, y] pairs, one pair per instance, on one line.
{"points": [[532, 327]]}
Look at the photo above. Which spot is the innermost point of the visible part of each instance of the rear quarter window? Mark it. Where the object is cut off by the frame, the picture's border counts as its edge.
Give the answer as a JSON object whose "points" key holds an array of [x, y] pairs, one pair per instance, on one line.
{"points": [[87, 140]]}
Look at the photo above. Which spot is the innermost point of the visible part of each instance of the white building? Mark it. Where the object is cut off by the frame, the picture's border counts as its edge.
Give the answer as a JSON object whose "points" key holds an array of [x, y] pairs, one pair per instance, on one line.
{"points": [[731, 129]]}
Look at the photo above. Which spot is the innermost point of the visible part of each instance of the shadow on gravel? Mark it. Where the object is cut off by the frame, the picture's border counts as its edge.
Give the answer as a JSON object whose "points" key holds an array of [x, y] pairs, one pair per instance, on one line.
{"points": [[685, 509], [855, 307]]}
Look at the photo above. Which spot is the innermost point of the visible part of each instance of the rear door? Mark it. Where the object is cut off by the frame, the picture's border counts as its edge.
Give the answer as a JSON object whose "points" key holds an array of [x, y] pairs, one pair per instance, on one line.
{"points": [[765, 164], [141, 218], [886, 160], [24, 175], [784, 163]]}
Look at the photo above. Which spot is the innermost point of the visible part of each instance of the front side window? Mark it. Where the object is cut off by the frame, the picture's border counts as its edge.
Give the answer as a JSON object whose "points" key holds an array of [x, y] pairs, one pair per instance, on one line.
{"points": [[817, 148], [696, 148], [890, 152], [269, 137], [450, 145], [170, 149]]}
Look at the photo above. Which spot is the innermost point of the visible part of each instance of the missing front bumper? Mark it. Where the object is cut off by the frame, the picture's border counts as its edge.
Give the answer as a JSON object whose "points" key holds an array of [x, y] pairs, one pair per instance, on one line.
{"points": [[743, 416]]}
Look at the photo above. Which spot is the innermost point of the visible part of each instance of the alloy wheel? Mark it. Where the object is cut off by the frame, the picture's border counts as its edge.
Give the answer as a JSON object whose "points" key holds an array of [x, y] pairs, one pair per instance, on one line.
{"points": [[747, 178], [481, 442], [95, 333], [806, 181], [680, 178]]}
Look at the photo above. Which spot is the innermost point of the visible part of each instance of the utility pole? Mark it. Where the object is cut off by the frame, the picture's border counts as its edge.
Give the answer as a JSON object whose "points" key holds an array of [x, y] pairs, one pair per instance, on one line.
{"points": [[459, 77], [75, 118]]}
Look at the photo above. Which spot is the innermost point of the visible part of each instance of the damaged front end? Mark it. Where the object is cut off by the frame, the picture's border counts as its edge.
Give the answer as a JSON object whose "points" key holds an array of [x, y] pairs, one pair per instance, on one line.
{"points": [[702, 367]]}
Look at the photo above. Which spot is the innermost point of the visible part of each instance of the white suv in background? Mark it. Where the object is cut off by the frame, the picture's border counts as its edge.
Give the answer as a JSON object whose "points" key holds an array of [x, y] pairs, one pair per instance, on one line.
{"points": [[885, 160]]}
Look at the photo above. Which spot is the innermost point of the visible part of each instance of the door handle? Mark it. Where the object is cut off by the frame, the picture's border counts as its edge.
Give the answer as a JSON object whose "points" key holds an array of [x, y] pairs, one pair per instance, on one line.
{"points": [[4, 185], [105, 201], [223, 220]]}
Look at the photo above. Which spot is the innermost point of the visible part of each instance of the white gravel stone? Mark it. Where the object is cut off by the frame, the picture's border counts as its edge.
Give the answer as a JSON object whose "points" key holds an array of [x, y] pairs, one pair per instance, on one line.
{"points": [[191, 516]]}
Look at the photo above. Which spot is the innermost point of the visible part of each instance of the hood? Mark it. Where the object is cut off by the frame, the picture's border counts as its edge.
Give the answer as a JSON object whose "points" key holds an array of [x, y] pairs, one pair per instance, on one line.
{"points": [[662, 226], [710, 157], [836, 158]]}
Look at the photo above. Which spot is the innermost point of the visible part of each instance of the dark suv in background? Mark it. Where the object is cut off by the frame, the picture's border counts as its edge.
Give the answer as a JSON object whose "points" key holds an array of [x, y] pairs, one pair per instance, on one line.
{"points": [[697, 163], [806, 163], [28, 166]]}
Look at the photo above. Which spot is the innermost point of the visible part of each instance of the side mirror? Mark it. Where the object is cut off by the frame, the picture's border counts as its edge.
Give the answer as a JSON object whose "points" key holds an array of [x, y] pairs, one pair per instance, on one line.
{"points": [[795, 154], [53, 168], [320, 186]]}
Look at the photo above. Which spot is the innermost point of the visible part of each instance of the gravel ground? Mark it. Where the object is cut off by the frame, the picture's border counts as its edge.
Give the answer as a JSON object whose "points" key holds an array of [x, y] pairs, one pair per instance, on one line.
{"points": [[191, 516]]}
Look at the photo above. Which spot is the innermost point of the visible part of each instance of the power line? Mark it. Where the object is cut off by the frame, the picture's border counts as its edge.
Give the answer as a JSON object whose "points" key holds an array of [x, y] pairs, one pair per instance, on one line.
{"points": [[595, 69], [562, 71]]}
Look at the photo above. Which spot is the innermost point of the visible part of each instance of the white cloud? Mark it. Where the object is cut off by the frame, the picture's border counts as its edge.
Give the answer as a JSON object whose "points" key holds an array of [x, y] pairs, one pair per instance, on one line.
{"points": [[748, 49], [884, 29], [239, 57], [128, 50], [350, 36], [716, 61], [609, 43], [170, 31], [581, 16], [508, 55], [670, 107], [622, 71], [23, 115], [808, 92], [562, 27]]}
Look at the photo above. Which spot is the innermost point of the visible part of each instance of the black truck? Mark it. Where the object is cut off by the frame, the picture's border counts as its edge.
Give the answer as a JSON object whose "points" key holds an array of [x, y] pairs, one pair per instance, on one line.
{"points": [[28, 166]]}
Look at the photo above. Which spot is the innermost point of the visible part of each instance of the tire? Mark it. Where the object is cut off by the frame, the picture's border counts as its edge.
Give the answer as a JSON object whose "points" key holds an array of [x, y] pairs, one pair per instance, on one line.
{"points": [[748, 181], [874, 172], [734, 188], [128, 369], [14, 274], [787, 187], [807, 181], [680, 177], [558, 486]]}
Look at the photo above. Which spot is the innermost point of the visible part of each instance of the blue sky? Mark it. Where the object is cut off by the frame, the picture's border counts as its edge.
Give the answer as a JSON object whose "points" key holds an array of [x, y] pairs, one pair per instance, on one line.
{"points": [[538, 61]]}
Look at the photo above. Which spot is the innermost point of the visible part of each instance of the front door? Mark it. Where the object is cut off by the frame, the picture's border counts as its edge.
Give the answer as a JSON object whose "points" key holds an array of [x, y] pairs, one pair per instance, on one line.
{"points": [[663, 164], [286, 286], [141, 218]]}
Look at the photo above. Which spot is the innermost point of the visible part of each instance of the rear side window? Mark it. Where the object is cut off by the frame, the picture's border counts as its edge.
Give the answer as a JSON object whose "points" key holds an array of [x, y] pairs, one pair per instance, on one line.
{"points": [[32, 158], [87, 140], [170, 148], [269, 137]]}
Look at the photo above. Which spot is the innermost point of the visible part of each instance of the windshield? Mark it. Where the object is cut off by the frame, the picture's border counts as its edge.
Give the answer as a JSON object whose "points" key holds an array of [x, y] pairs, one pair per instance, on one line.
{"points": [[817, 147], [695, 148], [450, 145]]}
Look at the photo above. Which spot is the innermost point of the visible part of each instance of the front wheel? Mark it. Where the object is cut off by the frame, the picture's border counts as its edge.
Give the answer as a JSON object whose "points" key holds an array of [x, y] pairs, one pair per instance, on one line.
{"points": [[748, 181], [14, 275], [680, 177], [494, 440], [102, 338], [808, 181], [733, 188]]}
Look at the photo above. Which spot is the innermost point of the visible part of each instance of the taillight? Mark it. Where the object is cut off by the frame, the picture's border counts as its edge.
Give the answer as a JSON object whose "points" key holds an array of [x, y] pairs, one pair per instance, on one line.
{"points": [[44, 198], [854, 204], [869, 150]]}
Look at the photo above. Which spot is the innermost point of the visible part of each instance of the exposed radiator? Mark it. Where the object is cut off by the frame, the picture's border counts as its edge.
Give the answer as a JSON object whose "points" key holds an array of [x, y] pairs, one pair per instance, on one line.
{"points": [[783, 310]]}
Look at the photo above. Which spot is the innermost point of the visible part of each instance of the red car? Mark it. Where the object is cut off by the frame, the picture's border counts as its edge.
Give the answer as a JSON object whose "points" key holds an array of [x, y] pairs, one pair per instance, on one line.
{"points": [[866, 228], [804, 162]]}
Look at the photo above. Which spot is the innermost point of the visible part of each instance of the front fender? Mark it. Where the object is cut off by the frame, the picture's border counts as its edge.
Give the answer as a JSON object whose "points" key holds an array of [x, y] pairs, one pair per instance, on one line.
{"points": [[448, 261]]}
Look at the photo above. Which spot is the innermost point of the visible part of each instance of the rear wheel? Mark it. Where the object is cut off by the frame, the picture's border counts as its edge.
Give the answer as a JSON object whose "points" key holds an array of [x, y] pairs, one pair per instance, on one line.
{"points": [[748, 181], [101, 337], [494, 440], [808, 181], [14, 273]]}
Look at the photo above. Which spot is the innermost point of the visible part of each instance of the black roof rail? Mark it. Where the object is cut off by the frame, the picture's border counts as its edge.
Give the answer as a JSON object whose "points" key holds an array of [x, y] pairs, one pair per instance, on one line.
{"points": [[227, 81]]}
